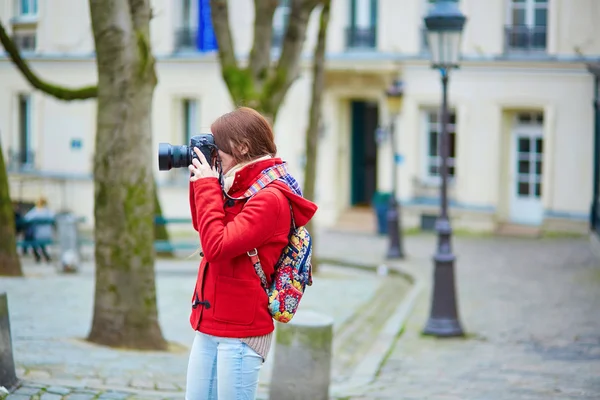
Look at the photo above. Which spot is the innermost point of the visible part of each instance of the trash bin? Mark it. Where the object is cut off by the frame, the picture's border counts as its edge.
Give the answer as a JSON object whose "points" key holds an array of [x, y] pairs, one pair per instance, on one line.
{"points": [[68, 242], [381, 204]]}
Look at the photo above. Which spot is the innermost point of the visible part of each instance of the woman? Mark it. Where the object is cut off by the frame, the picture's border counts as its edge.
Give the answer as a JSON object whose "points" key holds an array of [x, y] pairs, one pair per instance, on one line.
{"points": [[233, 325], [40, 229]]}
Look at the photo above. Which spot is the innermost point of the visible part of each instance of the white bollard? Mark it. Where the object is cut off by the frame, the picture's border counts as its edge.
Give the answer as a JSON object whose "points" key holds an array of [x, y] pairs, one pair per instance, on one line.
{"points": [[302, 366]]}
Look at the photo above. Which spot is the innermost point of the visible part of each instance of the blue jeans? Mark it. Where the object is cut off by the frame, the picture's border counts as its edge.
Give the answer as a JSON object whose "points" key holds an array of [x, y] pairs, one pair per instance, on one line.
{"points": [[222, 368]]}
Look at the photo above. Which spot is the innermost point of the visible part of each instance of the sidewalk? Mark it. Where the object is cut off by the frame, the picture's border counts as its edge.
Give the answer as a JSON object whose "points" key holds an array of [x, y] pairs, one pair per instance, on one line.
{"points": [[529, 307], [531, 310], [53, 358]]}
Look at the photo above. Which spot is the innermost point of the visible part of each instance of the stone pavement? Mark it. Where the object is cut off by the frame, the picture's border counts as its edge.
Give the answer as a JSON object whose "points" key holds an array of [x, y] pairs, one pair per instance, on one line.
{"points": [[531, 310], [36, 391], [51, 314]]}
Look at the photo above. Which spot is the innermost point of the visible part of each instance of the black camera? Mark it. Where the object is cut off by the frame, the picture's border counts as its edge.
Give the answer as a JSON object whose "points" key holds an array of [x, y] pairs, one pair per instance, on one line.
{"points": [[170, 156]]}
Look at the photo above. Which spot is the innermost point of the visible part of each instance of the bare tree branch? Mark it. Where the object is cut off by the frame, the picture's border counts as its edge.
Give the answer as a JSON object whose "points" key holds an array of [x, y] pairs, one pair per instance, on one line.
{"points": [[59, 92], [289, 61], [260, 55], [220, 18]]}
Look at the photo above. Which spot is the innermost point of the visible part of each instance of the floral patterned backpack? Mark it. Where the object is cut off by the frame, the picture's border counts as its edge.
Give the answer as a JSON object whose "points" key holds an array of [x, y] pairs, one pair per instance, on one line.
{"points": [[293, 272]]}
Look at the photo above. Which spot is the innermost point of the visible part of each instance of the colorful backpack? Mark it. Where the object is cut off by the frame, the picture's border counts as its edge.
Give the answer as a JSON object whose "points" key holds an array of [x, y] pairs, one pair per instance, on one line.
{"points": [[293, 272]]}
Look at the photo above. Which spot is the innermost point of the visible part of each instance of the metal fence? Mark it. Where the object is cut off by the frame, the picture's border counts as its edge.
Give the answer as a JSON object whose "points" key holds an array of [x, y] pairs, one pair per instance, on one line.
{"points": [[525, 39]]}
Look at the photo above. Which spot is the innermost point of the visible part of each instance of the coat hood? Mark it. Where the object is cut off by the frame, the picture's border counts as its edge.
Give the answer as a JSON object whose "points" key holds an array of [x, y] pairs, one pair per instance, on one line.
{"points": [[273, 172]]}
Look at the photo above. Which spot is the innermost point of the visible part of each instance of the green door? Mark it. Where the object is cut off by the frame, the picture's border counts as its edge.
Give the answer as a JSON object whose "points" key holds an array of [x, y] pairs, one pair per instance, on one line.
{"points": [[364, 152]]}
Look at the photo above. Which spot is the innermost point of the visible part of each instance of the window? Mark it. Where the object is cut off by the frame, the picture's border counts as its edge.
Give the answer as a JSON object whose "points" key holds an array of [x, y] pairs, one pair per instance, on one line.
{"points": [[433, 157], [280, 20], [187, 27], [190, 119], [527, 25], [188, 127], [22, 156], [25, 39], [362, 32], [530, 150], [27, 7]]}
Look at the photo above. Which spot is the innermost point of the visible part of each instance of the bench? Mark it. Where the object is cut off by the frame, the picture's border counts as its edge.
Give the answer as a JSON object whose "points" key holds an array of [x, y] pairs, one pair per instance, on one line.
{"points": [[171, 245]]}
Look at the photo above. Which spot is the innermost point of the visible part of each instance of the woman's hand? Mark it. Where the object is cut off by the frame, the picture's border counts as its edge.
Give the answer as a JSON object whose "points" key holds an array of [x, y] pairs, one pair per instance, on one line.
{"points": [[200, 168]]}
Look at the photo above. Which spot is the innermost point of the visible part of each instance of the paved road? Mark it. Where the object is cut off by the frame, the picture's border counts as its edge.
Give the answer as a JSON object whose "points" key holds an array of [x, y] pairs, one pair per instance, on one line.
{"points": [[531, 309], [51, 315]]}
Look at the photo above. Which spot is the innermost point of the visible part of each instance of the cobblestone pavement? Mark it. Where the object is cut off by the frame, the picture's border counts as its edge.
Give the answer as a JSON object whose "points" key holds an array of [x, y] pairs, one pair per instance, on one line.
{"points": [[48, 337], [531, 310], [36, 391]]}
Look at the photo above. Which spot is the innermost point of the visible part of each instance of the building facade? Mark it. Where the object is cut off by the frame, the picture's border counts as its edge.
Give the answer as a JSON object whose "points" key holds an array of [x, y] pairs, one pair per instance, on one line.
{"points": [[522, 116]]}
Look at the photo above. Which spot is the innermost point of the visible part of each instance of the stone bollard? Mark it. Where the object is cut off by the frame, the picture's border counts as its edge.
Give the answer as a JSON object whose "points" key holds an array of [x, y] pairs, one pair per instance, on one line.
{"points": [[8, 377], [68, 240], [302, 366]]}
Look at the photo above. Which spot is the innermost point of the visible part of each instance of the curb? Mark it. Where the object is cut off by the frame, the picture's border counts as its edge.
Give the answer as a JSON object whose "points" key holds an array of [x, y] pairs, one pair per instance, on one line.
{"points": [[366, 371]]}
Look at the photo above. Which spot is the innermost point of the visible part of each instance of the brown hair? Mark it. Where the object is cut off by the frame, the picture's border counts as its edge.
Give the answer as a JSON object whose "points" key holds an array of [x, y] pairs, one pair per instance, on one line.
{"points": [[42, 202], [244, 127]]}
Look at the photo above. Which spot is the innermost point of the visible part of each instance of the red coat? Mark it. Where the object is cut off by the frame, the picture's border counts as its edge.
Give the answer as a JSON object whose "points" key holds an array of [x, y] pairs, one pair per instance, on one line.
{"points": [[228, 299]]}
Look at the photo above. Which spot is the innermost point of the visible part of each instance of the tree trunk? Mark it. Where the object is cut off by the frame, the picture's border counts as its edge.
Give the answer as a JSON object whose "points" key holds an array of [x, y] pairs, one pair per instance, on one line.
{"points": [[66, 94], [314, 121], [125, 312], [10, 265]]}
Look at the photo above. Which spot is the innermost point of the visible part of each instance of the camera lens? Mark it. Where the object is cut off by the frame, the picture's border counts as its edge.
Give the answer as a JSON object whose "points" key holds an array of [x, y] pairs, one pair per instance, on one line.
{"points": [[165, 158], [170, 156]]}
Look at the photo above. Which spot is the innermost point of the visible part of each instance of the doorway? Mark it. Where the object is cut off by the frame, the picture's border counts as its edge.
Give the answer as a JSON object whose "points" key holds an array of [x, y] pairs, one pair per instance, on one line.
{"points": [[364, 122], [526, 169]]}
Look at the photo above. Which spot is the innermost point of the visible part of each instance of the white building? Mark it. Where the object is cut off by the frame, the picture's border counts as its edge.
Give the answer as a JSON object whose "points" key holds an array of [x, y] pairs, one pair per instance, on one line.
{"points": [[522, 120]]}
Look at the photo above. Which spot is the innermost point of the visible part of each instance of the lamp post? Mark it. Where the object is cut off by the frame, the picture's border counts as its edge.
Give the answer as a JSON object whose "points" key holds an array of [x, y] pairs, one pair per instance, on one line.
{"points": [[394, 103], [444, 28]]}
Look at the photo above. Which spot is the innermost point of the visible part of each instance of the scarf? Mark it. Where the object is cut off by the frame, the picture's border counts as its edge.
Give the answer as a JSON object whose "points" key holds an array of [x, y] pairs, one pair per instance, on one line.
{"points": [[229, 177]]}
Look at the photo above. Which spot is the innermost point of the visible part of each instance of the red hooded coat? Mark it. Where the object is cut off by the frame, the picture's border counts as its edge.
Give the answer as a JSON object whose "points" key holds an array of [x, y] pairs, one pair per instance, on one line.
{"points": [[228, 299]]}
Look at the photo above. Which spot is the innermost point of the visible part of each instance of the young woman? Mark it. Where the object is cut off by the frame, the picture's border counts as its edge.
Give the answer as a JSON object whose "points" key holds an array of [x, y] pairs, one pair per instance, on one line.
{"points": [[229, 306]]}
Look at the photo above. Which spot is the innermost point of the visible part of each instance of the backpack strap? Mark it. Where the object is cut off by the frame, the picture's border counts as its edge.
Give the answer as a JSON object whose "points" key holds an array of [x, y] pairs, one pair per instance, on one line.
{"points": [[253, 254]]}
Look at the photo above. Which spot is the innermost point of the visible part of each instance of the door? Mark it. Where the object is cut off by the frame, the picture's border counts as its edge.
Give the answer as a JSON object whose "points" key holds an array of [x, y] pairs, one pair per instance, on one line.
{"points": [[526, 199], [365, 117]]}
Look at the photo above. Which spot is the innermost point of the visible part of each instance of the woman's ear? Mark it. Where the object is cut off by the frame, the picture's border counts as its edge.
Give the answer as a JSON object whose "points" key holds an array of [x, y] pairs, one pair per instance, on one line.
{"points": [[244, 150]]}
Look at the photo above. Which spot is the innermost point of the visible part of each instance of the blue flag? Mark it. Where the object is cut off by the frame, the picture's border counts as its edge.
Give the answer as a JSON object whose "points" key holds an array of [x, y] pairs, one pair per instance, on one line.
{"points": [[206, 39]]}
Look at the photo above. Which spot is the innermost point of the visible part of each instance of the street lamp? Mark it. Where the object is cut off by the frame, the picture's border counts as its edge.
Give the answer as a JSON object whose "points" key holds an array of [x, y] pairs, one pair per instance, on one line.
{"points": [[444, 28], [394, 103]]}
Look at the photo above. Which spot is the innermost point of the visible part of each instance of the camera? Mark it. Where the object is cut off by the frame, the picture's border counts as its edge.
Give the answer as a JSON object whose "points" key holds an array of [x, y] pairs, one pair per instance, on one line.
{"points": [[170, 156]]}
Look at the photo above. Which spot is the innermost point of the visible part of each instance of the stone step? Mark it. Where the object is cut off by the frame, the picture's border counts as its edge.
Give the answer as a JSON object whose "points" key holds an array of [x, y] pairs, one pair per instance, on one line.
{"points": [[357, 219], [516, 230]]}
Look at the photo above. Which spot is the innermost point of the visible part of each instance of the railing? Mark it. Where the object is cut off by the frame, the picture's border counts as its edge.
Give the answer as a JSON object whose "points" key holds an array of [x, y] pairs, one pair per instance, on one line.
{"points": [[185, 38], [20, 161], [25, 41], [190, 244], [525, 39], [361, 38]]}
